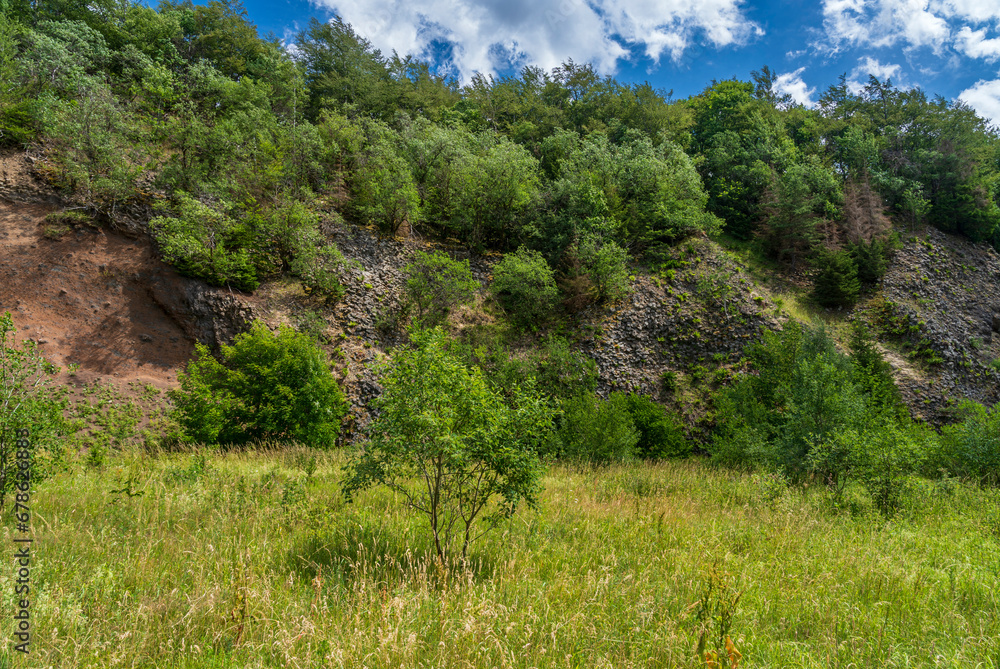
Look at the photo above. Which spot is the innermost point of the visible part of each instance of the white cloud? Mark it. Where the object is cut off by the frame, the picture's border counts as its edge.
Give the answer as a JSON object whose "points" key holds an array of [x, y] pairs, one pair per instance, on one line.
{"points": [[883, 23], [973, 43], [792, 84], [492, 34], [984, 97], [935, 24], [858, 77], [978, 11], [869, 65]]}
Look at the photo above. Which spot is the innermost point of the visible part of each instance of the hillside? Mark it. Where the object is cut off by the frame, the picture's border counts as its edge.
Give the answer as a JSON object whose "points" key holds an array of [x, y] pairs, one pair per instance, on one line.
{"points": [[102, 302]]}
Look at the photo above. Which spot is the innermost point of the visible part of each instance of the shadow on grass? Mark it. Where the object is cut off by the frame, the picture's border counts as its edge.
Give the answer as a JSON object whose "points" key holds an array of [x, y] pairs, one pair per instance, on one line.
{"points": [[349, 552]]}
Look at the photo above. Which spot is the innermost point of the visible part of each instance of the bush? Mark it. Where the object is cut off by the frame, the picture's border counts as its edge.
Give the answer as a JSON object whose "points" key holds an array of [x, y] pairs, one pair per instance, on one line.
{"points": [[802, 392], [206, 244], [595, 431], [472, 448], [524, 285], [836, 282], [435, 283], [661, 434], [972, 447], [322, 270], [562, 372], [265, 386], [30, 402], [882, 457], [606, 265], [559, 371]]}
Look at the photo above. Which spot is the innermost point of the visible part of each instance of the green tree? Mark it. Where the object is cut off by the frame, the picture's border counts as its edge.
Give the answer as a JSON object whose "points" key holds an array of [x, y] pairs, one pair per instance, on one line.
{"points": [[265, 386], [381, 184], [743, 141], [801, 393], [208, 244], [633, 192], [435, 283], [17, 122], [606, 266], [525, 286], [873, 375], [836, 282], [382, 188], [220, 32], [497, 186], [801, 202], [455, 448], [343, 68], [595, 431]]}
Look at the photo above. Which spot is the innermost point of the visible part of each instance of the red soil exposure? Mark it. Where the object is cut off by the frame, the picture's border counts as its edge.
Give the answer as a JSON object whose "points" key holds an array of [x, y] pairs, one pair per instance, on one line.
{"points": [[84, 298]]}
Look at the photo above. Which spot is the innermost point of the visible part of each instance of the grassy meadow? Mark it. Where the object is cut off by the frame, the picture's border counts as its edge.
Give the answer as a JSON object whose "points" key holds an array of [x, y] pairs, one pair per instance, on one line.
{"points": [[254, 560]]}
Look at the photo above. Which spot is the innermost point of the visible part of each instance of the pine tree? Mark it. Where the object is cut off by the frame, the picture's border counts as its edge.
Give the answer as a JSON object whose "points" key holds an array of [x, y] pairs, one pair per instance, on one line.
{"points": [[836, 283]]}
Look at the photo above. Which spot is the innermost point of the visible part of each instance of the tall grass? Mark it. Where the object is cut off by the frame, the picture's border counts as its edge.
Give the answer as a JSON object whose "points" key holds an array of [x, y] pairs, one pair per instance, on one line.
{"points": [[242, 560]]}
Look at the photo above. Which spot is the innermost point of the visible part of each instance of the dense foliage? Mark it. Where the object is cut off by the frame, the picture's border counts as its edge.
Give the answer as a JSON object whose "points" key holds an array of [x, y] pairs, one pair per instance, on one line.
{"points": [[247, 148], [265, 386]]}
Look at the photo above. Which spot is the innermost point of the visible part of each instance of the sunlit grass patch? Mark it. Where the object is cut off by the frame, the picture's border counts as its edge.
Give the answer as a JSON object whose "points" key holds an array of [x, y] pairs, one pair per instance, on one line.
{"points": [[248, 559]]}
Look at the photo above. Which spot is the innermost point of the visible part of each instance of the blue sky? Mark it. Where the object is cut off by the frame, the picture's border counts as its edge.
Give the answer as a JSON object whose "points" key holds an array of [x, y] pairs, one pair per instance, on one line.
{"points": [[946, 47]]}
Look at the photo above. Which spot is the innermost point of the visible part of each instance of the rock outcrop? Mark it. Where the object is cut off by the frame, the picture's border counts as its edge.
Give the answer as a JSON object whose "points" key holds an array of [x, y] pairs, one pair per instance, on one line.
{"points": [[940, 304]]}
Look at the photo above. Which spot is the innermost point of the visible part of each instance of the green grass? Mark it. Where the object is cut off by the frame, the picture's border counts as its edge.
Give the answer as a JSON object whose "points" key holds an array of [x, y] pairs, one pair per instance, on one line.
{"points": [[240, 561]]}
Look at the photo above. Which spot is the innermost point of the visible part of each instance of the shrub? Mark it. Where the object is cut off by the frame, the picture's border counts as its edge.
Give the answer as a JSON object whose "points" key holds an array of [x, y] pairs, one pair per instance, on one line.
{"points": [[321, 270], [28, 401], [559, 371], [562, 372], [311, 323], [436, 283], [972, 447], [668, 382], [595, 431], [606, 265], [882, 458], [472, 449], [207, 244], [836, 282], [524, 285], [661, 434], [265, 386], [803, 391]]}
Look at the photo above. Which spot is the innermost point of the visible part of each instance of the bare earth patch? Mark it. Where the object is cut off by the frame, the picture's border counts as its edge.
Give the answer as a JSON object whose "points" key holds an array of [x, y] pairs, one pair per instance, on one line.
{"points": [[84, 298]]}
